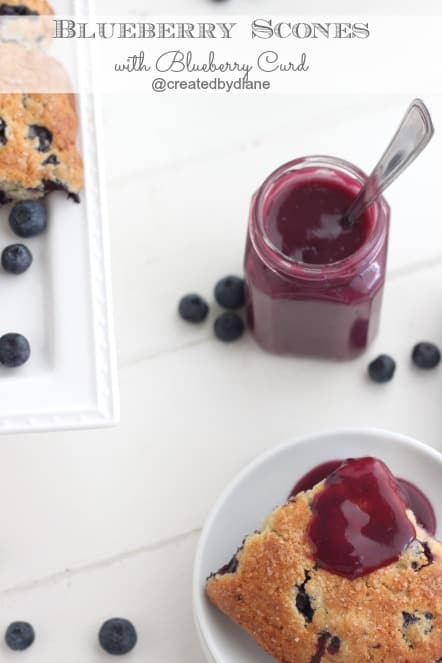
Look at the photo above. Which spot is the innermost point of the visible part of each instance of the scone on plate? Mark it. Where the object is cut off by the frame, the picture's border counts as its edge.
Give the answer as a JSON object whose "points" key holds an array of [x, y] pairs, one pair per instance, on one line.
{"points": [[25, 8], [38, 146], [31, 24], [306, 596]]}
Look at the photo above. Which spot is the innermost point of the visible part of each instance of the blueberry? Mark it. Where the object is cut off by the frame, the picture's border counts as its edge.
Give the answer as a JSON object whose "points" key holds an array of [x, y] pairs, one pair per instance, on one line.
{"points": [[14, 350], [52, 160], [230, 567], [304, 606], [382, 369], [16, 10], [409, 619], [117, 636], [19, 636], [43, 135], [16, 258], [229, 327], [426, 355], [3, 126], [229, 292], [334, 646], [193, 308], [28, 218]]}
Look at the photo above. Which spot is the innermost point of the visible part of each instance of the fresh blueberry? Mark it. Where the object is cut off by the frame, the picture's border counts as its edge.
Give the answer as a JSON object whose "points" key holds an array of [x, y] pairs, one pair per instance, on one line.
{"points": [[117, 636], [28, 218], [229, 327], [14, 350], [229, 292], [382, 368], [193, 308], [16, 258], [426, 355], [19, 636]]}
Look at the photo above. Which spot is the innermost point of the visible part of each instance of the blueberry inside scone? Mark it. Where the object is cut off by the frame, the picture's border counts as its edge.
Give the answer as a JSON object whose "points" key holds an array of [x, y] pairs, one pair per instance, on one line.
{"points": [[299, 612], [25, 8], [38, 146]]}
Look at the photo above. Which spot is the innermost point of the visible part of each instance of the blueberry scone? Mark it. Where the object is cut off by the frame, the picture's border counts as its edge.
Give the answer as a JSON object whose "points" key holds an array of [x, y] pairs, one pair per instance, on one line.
{"points": [[25, 8], [38, 146], [32, 25], [339, 578]]}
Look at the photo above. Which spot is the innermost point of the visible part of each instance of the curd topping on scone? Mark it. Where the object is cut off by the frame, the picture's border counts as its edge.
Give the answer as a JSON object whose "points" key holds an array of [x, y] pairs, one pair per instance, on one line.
{"points": [[302, 606]]}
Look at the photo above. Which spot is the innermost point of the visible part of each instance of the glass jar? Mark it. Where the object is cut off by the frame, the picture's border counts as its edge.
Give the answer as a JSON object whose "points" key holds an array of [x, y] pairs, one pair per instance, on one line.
{"points": [[324, 310]]}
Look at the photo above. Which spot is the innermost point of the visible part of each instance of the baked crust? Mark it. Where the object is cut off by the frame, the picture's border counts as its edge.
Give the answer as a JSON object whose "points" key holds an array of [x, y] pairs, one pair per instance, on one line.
{"points": [[38, 146], [302, 614]]}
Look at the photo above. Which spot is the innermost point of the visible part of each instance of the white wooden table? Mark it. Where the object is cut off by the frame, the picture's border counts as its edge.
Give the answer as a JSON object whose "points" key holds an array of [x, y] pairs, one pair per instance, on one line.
{"points": [[105, 523]]}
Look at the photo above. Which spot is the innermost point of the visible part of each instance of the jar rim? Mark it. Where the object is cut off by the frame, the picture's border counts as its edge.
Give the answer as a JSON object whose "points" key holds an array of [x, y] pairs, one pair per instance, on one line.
{"points": [[278, 261]]}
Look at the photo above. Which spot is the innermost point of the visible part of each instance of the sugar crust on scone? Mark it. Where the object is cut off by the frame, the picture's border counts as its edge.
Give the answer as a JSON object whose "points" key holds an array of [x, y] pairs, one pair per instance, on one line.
{"points": [[299, 613], [38, 146]]}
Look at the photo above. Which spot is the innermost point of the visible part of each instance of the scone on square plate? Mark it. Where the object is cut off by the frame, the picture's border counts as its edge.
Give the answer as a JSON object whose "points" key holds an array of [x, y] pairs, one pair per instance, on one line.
{"points": [[342, 573], [25, 8], [26, 23], [38, 146]]}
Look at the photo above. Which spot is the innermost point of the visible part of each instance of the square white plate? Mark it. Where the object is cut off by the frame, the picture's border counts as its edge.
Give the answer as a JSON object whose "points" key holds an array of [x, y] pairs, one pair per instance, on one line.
{"points": [[62, 304]]}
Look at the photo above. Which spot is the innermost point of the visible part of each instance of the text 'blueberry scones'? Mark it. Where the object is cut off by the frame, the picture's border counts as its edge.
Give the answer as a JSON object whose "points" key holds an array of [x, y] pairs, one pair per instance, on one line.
{"points": [[38, 146], [279, 586]]}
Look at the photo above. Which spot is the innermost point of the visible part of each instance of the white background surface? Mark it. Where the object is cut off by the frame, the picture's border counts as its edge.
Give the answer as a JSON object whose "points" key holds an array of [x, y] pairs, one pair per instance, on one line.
{"points": [[105, 523]]}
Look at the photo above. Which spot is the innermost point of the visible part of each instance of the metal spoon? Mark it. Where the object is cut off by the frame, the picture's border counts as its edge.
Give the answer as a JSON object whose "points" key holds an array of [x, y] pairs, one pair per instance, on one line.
{"points": [[413, 135]]}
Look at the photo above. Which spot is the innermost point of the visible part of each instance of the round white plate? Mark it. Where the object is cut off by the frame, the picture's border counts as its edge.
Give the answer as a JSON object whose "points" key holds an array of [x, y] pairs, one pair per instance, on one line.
{"points": [[265, 484]]}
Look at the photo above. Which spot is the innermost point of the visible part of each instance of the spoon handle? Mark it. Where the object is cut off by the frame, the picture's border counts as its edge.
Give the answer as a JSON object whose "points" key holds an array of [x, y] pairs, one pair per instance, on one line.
{"points": [[413, 135]]}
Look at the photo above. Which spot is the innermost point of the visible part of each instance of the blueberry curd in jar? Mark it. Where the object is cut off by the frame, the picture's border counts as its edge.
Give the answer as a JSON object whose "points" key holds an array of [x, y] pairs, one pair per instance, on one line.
{"points": [[314, 284]]}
